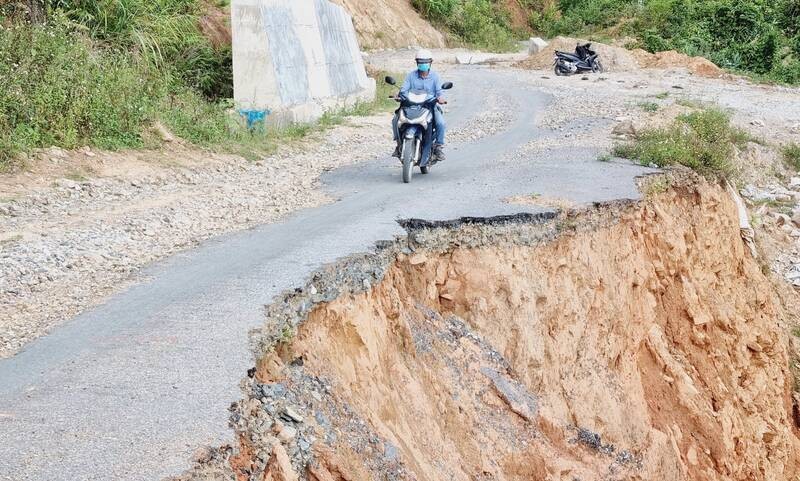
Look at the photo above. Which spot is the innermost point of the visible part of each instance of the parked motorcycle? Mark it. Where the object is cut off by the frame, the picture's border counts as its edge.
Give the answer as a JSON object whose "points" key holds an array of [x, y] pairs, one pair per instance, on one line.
{"points": [[583, 60], [417, 129]]}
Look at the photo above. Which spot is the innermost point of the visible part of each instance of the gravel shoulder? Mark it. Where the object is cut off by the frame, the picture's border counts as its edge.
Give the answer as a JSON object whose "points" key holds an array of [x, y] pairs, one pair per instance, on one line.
{"points": [[68, 243]]}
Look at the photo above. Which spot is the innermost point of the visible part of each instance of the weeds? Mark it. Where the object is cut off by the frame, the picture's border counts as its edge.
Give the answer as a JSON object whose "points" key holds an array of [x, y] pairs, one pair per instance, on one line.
{"points": [[689, 103], [287, 334], [656, 185], [211, 125], [604, 158], [58, 91], [163, 33], [649, 106], [791, 156], [703, 141]]}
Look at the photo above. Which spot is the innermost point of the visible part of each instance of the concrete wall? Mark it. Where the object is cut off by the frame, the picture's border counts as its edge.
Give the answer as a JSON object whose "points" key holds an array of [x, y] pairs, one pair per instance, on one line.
{"points": [[296, 58]]}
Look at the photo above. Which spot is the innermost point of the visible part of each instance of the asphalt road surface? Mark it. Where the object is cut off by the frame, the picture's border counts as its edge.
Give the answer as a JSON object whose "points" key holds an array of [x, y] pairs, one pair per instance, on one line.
{"points": [[128, 390]]}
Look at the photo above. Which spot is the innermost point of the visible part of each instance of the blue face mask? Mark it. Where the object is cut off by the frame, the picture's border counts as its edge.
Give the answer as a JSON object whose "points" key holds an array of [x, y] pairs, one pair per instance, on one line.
{"points": [[424, 67]]}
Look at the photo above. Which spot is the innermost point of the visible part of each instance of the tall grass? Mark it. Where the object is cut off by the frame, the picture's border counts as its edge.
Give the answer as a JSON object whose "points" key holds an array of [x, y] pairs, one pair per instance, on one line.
{"points": [[791, 156], [58, 90], [163, 33]]}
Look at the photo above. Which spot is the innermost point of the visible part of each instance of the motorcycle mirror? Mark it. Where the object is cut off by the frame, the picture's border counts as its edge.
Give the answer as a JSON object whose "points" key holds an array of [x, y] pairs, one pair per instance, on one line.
{"points": [[447, 86], [390, 81]]}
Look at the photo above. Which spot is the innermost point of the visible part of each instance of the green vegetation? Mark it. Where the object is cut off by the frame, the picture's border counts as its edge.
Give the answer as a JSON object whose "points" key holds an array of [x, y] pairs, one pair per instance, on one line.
{"points": [[791, 156], [757, 37], [480, 23], [703, 141], [58, 91], [649, 106], [761, 37], [656, 185], [104, 72]]}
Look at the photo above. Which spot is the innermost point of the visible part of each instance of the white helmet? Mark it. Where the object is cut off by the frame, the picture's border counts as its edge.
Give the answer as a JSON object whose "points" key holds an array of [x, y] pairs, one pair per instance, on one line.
{"points": [[424, 56]]}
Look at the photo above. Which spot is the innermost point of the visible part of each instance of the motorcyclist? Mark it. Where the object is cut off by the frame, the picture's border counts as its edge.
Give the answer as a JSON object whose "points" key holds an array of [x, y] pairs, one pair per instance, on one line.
{"points": [[423, 78]]}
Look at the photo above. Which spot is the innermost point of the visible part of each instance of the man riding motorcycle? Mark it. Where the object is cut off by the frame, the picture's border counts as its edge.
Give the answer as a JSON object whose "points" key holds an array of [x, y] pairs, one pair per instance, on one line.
{"points": [[423, 78]]}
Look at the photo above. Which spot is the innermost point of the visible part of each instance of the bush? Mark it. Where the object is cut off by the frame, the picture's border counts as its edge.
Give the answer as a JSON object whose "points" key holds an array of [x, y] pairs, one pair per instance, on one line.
{"points": [[703, 141], [58, 91], [791, 156]]}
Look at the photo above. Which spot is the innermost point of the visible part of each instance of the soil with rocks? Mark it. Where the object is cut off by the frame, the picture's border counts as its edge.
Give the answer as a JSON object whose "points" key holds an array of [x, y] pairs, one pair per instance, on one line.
{"points": [[67, 243], [620, 59], [572, 346]]}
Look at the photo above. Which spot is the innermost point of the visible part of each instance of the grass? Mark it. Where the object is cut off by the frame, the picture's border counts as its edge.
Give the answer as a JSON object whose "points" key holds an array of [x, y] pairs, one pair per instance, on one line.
{"points": [[656, 185], [689, 103], [703, 141], [662, 95], [604, 158], [104, 73], [791, 156], [212, 126], [649, 106], [59, 91]]}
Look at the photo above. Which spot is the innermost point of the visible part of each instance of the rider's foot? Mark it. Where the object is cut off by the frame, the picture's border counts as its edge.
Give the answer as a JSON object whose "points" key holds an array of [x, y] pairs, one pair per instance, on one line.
{"points": [[396, 152], [438, 152]]}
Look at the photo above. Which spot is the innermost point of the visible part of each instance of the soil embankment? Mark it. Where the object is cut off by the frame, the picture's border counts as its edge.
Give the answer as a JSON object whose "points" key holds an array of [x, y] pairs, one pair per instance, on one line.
{"points": [[624, 341], [390, 24]]}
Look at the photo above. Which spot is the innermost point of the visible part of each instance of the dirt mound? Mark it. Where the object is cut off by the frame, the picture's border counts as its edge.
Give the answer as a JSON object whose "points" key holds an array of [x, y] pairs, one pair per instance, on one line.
{"points": [[627, 341], [614, 59], [672, 59], [618, 59], [390, 24]]}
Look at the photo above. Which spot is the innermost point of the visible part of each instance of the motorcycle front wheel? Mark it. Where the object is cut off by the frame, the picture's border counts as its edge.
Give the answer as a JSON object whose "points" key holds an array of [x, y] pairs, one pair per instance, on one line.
{"points": [[597, 67], [408, 159]]}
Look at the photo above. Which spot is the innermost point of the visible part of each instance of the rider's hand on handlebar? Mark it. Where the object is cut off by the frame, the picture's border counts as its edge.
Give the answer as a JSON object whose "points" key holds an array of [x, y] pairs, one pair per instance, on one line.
{"points": [[441, 101]]}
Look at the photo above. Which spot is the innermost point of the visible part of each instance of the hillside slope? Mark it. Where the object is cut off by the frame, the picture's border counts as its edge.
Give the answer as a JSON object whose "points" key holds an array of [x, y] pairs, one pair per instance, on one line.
{"points": [[390, 24]]}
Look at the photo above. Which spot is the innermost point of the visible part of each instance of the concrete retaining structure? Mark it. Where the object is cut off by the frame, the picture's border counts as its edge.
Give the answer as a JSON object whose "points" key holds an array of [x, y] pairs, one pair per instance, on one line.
{"points": [[296, 59]]}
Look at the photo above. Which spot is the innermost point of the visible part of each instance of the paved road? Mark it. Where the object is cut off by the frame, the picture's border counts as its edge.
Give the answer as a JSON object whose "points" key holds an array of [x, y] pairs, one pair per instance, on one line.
{"points": [[128, 390]]}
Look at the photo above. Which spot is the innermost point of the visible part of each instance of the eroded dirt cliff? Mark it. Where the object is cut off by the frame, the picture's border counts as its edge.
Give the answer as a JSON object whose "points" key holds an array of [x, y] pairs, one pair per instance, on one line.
{"points": [[390, 24], [631, 340]]}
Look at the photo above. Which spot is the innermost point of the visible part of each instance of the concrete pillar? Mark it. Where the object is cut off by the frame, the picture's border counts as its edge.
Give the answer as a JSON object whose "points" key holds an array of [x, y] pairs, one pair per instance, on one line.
{"points": [[296, 58]]}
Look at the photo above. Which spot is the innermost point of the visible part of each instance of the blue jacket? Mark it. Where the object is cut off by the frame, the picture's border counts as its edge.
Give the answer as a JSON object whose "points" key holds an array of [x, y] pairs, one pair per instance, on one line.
{"points": [[431, 84]]}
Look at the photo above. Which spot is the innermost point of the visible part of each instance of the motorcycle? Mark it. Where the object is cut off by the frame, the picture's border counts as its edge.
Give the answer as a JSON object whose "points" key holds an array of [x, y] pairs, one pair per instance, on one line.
{"points": [[583, 60], [417, 129]]}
